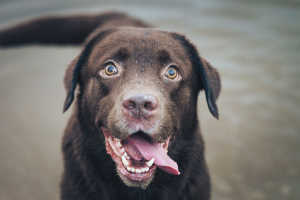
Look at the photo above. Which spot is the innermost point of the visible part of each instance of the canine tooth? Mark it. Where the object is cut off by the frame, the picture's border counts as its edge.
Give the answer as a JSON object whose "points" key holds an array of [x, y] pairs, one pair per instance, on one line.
{"points": [[124, 161], [147, 169], [150, 162], [126, 155], [118, 144]]}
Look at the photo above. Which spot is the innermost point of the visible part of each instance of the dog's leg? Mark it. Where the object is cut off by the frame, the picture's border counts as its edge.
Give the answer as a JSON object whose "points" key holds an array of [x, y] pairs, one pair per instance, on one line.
{"points": [[58, 30]]}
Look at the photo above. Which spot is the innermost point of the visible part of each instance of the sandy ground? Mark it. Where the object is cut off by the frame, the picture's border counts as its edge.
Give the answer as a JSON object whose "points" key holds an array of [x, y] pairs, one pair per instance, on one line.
{"points": [[252, 151]]}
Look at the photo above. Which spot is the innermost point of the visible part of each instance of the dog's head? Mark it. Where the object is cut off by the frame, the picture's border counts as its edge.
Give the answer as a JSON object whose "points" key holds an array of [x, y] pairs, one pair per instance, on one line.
{"points": [[139, 88]]}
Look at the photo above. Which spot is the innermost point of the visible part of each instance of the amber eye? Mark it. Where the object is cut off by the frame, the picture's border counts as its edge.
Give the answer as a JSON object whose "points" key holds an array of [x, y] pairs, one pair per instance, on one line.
{"points": [[111, 69], [171, 73]]}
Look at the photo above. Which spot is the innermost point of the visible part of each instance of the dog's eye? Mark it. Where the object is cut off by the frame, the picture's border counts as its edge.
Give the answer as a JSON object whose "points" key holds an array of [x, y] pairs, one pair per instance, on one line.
{"points": [[171, 73], [111, 69]]}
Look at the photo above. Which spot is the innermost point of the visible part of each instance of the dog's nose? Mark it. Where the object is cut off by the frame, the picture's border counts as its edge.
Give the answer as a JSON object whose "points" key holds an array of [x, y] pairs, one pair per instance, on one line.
{"points": [[141, 104]]}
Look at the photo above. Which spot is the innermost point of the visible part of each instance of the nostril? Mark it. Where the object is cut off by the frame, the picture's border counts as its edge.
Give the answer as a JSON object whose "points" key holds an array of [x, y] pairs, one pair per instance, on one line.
{"points": [[129, 104], [149, 105]]}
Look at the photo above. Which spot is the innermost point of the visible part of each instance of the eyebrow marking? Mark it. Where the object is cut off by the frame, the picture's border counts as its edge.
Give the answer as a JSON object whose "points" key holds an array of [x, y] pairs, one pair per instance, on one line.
{"points": [[163, 56], [122, 54]]}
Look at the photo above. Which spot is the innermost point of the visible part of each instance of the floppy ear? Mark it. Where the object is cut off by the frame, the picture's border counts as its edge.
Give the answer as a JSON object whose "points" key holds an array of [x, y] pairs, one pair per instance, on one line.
{"points": [[72, 74], [211, 83], [70, 85], [210, 79]]}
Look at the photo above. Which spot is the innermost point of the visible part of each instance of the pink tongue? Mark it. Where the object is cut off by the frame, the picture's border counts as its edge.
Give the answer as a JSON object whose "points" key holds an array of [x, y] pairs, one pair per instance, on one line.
{"points": [[152, 150], [132, 151]]}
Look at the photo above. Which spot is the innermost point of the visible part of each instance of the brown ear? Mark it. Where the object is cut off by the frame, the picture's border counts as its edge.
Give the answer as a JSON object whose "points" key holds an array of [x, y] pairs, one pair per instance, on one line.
{"points": [[211, 83], [69, 85], [72, 74], [210, 79], [214, 77]]}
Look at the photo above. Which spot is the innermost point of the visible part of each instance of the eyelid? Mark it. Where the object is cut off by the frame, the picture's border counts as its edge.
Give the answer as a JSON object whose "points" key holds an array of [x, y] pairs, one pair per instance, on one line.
{"points": [[110, 61], [172, 65]]}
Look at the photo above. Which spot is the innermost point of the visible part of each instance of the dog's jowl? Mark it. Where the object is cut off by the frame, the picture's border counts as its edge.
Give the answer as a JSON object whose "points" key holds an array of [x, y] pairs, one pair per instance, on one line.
{"points": [[134, 131]]}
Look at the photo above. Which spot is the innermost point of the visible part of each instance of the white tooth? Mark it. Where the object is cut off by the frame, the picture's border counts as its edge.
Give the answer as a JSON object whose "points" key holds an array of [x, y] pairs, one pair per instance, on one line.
{"points": [[150, 162], [146, 169], [122, 150], [134, 170], [138, 171], [118, 144], [130, 169], [124, 161]]}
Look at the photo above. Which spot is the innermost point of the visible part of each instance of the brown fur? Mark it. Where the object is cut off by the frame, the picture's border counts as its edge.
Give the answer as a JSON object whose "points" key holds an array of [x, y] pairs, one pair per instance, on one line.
{"points": [[143, 54]]}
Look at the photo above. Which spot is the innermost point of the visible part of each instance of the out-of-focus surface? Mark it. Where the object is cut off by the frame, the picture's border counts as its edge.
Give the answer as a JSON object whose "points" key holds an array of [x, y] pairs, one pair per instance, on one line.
{"points": [[253, 151]]}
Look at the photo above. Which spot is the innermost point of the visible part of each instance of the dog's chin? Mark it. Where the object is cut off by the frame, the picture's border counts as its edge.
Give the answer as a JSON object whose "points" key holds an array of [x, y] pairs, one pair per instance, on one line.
{"points": [[132, 172], [133, 183]]}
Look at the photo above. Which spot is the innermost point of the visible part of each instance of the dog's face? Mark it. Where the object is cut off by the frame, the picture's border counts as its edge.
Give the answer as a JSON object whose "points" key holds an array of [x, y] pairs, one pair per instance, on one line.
{"points": [[139, 88]]}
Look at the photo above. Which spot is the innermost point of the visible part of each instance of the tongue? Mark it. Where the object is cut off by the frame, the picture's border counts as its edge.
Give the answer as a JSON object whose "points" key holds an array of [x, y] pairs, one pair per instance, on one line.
{"points": [[142, 148]]}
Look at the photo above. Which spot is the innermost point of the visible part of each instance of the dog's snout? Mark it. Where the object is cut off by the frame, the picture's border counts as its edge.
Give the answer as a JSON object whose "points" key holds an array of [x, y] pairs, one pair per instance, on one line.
{"points": [[140, 104]]}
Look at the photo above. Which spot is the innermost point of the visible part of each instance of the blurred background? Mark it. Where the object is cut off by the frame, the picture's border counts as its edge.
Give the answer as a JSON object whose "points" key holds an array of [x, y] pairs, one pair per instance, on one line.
{"points": [[253, 151]]}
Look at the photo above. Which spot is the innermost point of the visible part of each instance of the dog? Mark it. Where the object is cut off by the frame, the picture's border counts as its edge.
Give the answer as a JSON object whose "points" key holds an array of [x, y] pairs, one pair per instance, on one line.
{"points": [[134, 131]]}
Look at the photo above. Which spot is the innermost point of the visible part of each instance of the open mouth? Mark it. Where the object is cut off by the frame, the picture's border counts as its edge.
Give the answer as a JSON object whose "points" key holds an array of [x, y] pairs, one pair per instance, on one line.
{"points": [[137, 157]]}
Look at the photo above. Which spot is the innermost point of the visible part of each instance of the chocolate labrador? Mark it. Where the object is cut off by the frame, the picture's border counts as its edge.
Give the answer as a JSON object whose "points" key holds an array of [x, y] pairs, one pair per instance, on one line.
{"points": [[134, 131]]}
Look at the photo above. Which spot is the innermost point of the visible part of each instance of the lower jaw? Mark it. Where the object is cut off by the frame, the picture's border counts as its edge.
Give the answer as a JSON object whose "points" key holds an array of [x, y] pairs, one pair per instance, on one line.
{"points": [[136, 180], [131, 179]]}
